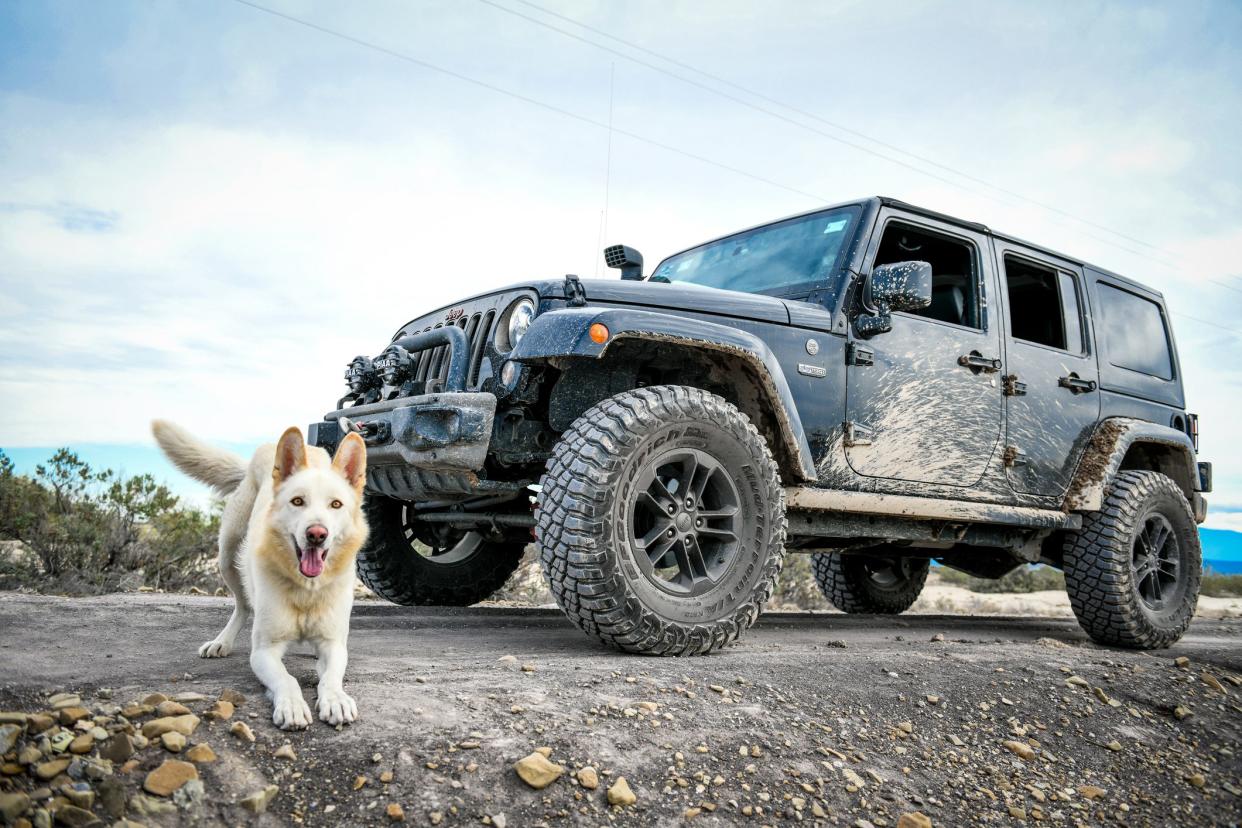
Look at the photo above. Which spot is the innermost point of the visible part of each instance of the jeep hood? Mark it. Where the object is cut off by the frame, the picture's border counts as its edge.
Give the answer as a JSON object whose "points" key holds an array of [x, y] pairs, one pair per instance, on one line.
{"points": [[662, 296]]}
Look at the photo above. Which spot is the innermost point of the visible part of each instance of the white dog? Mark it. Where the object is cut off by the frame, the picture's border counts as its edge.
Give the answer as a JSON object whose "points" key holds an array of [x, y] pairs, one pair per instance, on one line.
{"points": [[291, 528]]}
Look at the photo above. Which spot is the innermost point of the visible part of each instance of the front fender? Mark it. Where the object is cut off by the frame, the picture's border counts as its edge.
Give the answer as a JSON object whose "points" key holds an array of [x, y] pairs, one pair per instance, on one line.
{"points": [[566, 333], [1103, 457]]}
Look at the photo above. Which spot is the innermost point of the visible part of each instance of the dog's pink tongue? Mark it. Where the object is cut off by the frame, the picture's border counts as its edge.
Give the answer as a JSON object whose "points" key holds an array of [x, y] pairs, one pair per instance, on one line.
{"points": [[311, 562]]}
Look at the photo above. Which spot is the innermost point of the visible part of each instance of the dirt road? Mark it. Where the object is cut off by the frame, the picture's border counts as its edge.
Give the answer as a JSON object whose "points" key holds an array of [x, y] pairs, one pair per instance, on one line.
{"points": [[816, 718]]}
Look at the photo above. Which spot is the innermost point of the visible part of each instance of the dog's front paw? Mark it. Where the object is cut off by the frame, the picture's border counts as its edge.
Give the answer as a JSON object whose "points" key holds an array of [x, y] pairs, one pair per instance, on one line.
{"points": [[291, 713], [215, 648], [336, 707]]}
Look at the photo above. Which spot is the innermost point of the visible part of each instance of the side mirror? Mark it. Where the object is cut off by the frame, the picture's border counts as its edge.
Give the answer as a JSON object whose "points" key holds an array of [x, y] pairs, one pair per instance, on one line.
{"points": [[628, 260], [901, 286]]}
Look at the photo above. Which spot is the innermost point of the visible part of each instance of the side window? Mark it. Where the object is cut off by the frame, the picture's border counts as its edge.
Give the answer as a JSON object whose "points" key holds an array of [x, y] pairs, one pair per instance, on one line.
{"points": [[1133, 332], [1043, 305], [955, 277]]}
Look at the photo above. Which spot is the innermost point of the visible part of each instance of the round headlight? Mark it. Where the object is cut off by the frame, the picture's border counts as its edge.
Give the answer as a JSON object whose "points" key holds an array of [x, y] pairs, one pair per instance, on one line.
{"points": [[521, 314]]}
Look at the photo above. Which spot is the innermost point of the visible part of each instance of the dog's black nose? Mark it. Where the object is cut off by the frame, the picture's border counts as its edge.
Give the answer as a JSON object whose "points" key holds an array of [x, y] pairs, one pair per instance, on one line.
{"points": [[317, 535]]}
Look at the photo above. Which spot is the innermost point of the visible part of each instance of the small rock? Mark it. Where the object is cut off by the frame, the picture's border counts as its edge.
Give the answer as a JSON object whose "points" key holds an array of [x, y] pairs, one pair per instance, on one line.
{"points": [[52, 769], [1211, 681], [171, 708], [1197, 779], [8, 737], [190, 794], [385, 777], [62, 700], [201, 754], [1021, 749], [153, 699], [1017, 812], [938, 637], [69, 715], [184, 725], [1114, 746], [220, 711], [1090, 792], [13, 805], [168, 777], [620, 793], [75, 817], [136, 711], [914, 819], [172, 741], [395, 812], [258, 801], [499, 820], [285, 751], [1182, 661], [906, 727], [933, 700], [1076, 681], [528, 668], [359, 782], [189, 697], [588, 778], [538, 771], [79, 794], [232, 697], [38, 722], [117, 749], [716, 688], [82, 744], [242, 731], [111, 797]]}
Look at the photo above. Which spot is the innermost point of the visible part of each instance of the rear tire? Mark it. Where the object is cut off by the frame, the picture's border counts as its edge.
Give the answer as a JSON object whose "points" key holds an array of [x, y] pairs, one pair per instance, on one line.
{"points": [[1133, 571], [661, 522], [404, 563], [872, 584]]}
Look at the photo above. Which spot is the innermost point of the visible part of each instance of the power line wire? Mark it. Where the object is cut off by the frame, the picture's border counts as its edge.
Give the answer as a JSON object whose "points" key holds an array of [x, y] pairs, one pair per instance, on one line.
{"points": [[792, 108], [526, 98], [574, 115]]}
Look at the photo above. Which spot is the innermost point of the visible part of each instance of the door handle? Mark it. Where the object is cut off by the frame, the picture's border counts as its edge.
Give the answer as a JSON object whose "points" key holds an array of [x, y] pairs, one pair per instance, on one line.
{"points": [[977, 362], [1076, 384]]}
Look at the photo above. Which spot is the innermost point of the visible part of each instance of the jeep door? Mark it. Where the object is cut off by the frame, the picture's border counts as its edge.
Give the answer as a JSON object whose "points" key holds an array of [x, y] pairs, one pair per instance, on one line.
{"points": [[923, 400], [1051, 379]]}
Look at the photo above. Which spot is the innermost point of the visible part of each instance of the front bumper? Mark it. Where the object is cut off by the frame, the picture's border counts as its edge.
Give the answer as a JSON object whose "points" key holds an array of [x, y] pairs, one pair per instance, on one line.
{"points": [[422, 447]]}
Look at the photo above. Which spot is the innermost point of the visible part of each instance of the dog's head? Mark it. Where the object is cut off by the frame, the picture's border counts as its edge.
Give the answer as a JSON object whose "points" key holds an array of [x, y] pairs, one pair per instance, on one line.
{"points": [[317, 506]]}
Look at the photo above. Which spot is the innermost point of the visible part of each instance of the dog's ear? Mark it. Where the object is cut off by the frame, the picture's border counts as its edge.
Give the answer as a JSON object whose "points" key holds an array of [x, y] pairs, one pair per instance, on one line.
{"points": [[290, 455], [351, 460]]}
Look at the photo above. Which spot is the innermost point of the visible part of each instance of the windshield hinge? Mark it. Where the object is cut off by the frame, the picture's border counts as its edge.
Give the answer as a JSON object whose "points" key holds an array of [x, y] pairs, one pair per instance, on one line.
{"points": [[856, 354], [575, 293]]}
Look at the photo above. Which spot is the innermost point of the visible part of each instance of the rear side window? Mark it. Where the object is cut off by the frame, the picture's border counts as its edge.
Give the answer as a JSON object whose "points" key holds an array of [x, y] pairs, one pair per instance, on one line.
{"points": [[1043, 305], [1135, 336]]}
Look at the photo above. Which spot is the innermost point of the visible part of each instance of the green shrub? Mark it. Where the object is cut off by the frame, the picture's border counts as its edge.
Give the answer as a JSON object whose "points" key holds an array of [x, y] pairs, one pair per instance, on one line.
{"points": [[1221, 586], [94, 532], [1037, 578]]}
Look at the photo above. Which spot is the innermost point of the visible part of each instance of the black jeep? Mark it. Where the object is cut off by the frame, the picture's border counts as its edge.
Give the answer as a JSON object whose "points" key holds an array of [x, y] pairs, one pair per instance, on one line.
{"points": [[875, 383]]}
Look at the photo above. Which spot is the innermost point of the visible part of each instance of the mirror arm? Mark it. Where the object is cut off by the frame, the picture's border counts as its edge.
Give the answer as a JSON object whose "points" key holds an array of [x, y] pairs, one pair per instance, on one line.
{"points": [[869, 322]]}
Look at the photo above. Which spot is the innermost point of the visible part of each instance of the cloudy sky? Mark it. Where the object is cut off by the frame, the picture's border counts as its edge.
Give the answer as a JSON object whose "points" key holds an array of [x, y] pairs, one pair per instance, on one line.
{"points": [[207, 208]]}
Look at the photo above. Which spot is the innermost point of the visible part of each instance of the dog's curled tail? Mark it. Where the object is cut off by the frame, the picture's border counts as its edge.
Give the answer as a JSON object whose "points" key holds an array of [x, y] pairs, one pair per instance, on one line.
{"points": [[217, 468]]}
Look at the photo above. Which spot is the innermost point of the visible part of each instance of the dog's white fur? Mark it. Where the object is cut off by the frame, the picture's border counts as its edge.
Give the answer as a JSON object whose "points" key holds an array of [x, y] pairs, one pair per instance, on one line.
{"points": [[287, 489]]}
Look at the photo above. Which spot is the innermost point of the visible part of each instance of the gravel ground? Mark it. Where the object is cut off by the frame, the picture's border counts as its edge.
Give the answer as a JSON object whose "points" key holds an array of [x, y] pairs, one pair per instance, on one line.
{"points": [[814, 717]]}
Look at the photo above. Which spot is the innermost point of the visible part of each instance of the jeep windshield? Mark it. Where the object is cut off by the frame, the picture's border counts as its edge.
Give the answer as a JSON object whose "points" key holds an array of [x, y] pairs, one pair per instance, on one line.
{"points": [[786, 258]]}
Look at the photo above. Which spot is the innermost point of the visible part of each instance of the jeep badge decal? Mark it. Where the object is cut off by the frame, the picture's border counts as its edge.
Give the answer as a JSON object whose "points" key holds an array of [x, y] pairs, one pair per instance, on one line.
{"points": [[454, 314]]}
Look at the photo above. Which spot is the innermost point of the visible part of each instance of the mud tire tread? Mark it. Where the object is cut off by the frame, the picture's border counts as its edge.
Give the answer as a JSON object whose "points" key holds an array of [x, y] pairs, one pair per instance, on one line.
{"points": [[844, 582], [1097, 564], [573, 521], [396, 573]]}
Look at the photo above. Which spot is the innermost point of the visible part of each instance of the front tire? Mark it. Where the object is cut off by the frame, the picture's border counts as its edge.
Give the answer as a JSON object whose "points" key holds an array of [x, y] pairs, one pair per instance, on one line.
{"points": [[415, 564], [1133, 570], [874, 584], [661, 521]]}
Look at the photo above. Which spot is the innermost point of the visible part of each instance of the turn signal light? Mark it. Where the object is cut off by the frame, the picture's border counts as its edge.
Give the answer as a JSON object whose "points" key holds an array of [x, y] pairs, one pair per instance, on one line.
{"points": [[599, 333]]}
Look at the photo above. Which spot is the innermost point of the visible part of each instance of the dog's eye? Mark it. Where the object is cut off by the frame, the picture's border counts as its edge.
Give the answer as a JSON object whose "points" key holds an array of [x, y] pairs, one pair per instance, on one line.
{"points": [[297, 501], [336, 504]]}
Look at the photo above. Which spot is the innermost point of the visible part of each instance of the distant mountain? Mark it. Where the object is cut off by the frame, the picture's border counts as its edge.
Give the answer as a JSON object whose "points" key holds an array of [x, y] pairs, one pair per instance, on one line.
{"points": [[1222, 550]]}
